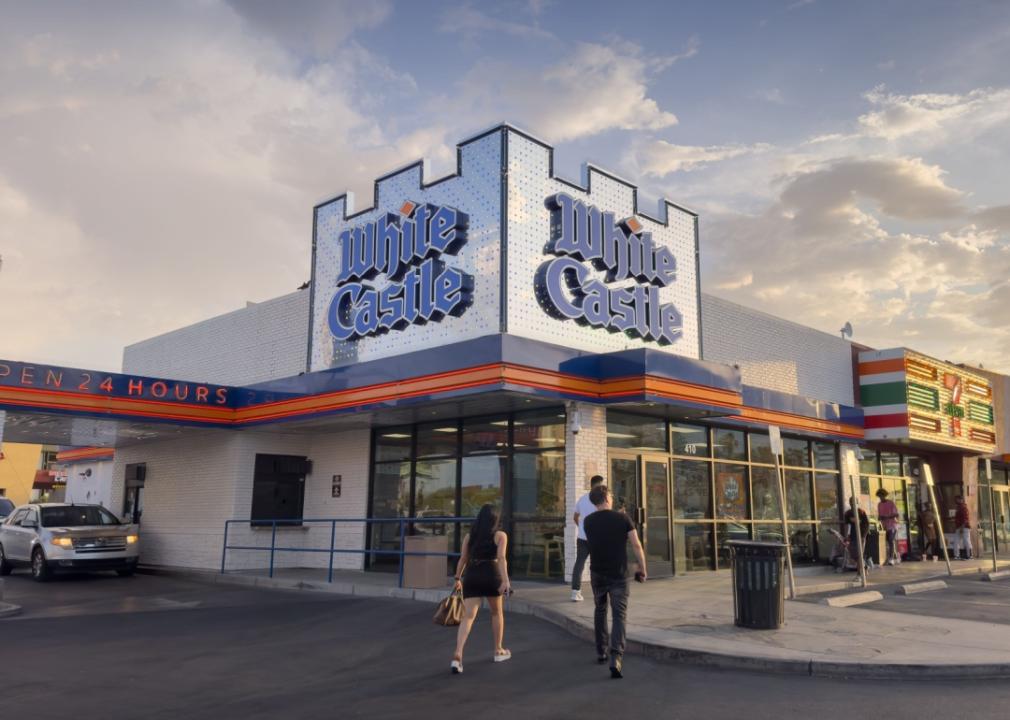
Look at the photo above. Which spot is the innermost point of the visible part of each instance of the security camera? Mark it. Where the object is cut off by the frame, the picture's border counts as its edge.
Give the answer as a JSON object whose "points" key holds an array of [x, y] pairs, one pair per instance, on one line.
{"points": [[576, 422]]}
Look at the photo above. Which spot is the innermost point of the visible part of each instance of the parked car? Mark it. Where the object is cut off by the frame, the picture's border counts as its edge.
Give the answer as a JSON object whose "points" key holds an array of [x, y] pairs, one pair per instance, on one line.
{"points": [[6, 507], [53, 537]]}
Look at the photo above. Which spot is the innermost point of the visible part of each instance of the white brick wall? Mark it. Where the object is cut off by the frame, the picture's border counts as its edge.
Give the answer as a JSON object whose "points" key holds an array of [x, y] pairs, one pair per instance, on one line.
{"points": [[585, 456], [262, 341], [777, 354], [196, 483]]}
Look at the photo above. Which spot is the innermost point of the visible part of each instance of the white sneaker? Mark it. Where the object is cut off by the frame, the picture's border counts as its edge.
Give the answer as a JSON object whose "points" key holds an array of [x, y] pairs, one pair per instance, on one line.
{"points": [[577, 596]]}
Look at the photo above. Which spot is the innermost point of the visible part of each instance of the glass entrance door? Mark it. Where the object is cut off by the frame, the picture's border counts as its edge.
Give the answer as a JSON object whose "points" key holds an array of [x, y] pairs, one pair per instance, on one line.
{"points": [[656, 534], [641, 488]]}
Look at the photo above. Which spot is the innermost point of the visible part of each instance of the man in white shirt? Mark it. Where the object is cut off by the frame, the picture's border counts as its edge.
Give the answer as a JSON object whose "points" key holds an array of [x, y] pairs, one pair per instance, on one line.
{"points": [[583, 509]]}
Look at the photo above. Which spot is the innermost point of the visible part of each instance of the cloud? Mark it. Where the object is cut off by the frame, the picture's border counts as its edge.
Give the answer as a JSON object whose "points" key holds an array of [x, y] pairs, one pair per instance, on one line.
{"points": [[825, 252], [934, 114], [593, 89], [313, 27], [469, 22], [162, 169], [659, 158], [662, 62]]}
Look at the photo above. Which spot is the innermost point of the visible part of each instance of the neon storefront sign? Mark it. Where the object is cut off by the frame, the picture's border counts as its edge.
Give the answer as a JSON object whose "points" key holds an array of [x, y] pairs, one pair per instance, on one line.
{"points": [[406, 249], [585, 238]]}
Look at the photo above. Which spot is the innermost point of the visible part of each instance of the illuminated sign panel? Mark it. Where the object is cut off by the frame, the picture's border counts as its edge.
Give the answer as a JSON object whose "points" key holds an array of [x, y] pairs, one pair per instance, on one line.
{"points": [[501, 245], [908, 397], [405, 248], [585, 238]]}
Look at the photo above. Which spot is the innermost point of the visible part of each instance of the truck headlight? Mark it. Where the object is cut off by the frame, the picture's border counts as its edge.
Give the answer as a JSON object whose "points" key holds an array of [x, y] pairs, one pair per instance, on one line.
{"points": [[131, 539], [62, 542]]}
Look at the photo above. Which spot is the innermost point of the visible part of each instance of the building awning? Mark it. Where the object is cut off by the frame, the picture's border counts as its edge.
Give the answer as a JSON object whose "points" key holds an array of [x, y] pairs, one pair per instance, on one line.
{"points": [[489, 374], [47, 480]]}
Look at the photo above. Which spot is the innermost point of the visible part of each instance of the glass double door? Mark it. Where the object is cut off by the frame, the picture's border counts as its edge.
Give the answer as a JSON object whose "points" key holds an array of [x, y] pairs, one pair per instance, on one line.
{"points": [[641, 487], [1001, 513]]}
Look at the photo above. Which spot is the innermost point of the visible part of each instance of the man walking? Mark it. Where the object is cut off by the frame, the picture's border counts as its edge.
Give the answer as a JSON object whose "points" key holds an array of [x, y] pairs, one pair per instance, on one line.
{"points": [[583, 509], [608, 532], [888, 514]]}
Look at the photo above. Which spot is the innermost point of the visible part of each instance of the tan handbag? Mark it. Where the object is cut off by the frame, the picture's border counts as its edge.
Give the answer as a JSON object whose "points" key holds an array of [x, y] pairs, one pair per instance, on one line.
{"points": [[450, 610]]}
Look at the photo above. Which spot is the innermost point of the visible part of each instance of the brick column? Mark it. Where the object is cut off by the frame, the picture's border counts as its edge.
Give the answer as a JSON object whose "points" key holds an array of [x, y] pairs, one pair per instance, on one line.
{"points": [[585, 456]]}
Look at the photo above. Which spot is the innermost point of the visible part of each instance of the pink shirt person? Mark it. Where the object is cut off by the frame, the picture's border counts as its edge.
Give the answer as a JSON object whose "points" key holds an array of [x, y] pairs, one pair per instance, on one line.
{"points": [[887, 511]]}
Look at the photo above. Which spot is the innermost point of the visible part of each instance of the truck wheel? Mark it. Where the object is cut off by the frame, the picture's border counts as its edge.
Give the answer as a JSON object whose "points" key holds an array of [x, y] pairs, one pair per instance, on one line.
{"points": [[5, 567], [40, 568]]}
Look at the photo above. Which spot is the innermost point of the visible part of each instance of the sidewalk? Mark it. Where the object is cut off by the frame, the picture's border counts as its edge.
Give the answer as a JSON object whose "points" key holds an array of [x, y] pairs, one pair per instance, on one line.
{"points": [[690, 619]]}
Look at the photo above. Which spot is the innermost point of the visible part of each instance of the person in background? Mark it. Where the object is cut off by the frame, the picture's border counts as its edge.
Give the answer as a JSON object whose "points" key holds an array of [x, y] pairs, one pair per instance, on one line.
{"points": [[887, 512], [608, 533], [583, 509], [927, 520], [849, 529], [962, 530], [482, 572]]}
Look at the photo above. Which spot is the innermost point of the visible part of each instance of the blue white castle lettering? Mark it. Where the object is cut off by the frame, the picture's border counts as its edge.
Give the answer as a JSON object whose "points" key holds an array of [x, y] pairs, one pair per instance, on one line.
{"points": [[405, 248], [568, 289]]}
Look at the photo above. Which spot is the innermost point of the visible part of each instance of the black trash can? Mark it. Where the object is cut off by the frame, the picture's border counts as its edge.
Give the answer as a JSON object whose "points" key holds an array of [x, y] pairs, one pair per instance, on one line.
{"points": [[758, 591]]}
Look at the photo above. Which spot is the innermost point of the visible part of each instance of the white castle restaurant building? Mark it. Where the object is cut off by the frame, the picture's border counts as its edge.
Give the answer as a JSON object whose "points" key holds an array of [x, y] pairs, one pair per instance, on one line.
{"points": [[497, 335]]}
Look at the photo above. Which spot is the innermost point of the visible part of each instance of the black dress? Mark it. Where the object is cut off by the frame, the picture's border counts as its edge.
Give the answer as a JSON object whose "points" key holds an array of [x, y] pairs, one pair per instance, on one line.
{"points": [[482, 577]]}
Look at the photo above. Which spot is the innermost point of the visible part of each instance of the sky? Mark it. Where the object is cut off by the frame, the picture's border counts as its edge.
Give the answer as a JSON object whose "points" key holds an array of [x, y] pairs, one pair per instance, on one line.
{"points": [[159, 161]]}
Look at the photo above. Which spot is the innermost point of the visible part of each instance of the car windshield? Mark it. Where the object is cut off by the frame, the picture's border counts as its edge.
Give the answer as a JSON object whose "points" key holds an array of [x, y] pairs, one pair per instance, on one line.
{"points": [[6, 507], [77, 516]]}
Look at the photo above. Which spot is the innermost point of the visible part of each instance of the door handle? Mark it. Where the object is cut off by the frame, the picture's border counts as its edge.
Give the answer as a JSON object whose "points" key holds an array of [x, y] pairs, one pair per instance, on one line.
{"points": [[641, 516]]}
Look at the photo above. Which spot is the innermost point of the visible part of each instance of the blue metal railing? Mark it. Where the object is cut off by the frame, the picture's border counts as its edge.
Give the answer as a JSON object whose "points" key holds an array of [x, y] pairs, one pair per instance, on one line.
{"points": [[403, 523]]}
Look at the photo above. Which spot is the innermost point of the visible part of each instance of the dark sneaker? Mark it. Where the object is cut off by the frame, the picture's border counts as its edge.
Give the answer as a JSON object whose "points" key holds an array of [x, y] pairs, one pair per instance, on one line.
{"points": [[601, 658], [616, 668]]}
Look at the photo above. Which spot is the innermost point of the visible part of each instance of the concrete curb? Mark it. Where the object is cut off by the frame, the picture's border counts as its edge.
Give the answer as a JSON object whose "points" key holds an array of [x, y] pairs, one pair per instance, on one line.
{"points": [[583, 629], [913, 588], [859, 598], [9, 609], [998, 575]]}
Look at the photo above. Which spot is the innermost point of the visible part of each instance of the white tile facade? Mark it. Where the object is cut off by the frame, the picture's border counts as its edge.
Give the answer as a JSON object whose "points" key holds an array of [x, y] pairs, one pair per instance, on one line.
{"points": [[585, 456], [195, 484], [777, 354], [263, 341]]}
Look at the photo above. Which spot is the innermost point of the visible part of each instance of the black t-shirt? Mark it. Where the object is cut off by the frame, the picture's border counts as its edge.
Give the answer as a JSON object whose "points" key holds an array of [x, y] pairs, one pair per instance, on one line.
{"points": [[607, 535]]}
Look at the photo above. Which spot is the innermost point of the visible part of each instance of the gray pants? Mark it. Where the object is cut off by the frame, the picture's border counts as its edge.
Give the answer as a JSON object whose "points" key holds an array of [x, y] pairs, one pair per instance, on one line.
{"points": [[616, 590], [581, 553]]}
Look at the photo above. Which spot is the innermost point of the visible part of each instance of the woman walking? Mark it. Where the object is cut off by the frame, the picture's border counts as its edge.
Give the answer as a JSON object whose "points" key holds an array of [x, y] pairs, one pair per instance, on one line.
{"points": [[484, 573]]}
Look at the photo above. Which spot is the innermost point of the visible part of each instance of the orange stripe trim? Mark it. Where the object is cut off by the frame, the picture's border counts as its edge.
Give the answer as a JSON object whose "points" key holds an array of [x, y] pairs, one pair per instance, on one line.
{"points": [[875, 367], [82, 453], [480, 376], [776, 417]]}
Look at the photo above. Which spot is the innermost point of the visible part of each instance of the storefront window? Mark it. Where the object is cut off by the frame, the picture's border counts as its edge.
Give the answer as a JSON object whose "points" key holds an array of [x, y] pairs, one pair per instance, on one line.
{"points": [[760, 448], [483, 481], [768, 532], [390, 499], [538, 485], [795, 452], [798, 495], [825, 456], [690, 440], [485, 435], [693, 546], [437, 439], [434, 493], [730, 492], [728, 444], [692, 490], [765, 494], [726, 533], [538, 549], [826, 486], [539, 430], [868, 465], [890, 463], [393, 444], [635, 431]]}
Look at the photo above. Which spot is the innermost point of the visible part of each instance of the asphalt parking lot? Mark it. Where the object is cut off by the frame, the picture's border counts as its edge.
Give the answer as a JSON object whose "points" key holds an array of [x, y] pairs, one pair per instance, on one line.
{"points": [[157, 647]]}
